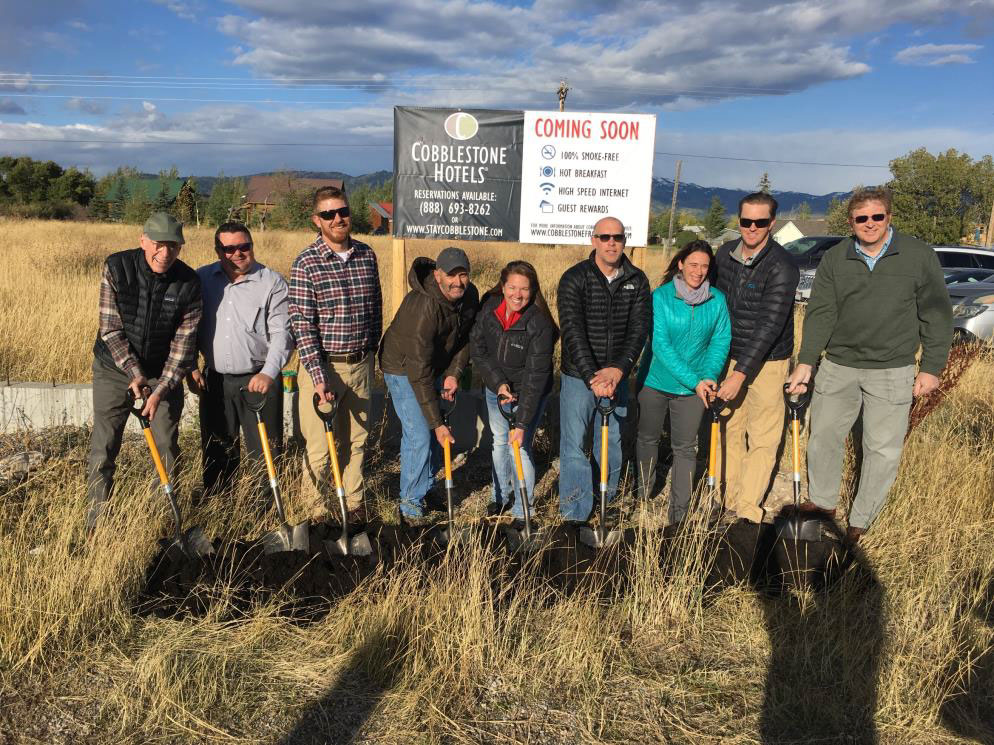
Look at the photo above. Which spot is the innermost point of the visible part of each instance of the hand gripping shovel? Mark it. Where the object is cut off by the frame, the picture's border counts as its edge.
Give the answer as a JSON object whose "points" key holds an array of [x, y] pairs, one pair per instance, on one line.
{"points": [[794, 527], [286, 537], [193, 543], [449, 534], [357, 545], [601, 538], [528, 539]]}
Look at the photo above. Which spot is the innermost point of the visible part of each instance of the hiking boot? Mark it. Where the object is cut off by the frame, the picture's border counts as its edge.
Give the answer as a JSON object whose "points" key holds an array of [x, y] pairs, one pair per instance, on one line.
{"points": [[808, 509], [853, 534], [496, 510]]}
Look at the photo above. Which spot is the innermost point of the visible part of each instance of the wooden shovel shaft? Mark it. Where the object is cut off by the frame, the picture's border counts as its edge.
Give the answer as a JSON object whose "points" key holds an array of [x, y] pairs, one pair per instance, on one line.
{"points": [[333, 454]]}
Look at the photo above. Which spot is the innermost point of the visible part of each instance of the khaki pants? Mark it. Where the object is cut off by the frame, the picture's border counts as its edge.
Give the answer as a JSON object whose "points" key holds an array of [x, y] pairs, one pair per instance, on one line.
{"points": [[751, 437], [351, 383]]}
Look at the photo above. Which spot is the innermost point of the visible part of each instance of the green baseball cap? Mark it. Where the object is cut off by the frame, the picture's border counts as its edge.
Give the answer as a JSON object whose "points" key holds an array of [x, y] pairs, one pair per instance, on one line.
{"points": [[161, 226]]}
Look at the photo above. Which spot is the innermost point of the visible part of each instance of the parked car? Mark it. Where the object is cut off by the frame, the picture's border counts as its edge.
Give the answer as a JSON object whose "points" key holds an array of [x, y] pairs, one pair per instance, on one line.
{"points": [[954, 275], [973, 310], [807, 253], [965, 257]]}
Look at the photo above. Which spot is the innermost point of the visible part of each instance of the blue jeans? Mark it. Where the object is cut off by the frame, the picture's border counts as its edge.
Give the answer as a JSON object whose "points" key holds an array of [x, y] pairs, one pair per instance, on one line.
{"points": [[576, 475], [503, 474], [420, 453]]}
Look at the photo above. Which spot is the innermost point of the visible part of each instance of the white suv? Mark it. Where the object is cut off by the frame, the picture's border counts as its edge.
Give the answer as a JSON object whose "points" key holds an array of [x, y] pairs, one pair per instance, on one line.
{"points": [[966, 257]]}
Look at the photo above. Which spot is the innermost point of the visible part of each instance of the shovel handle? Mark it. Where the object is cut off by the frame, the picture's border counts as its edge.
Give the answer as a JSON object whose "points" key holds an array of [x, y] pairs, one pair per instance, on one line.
{"points": [[605, 410], [256, 407], [604, 438], [713, 453], [333, 454], [796, 401], [266, 452], [156, 458], [517, 462], [328, 417], [446, 407], [447, 450], [507, 413], [795, 431], [137, 404]]}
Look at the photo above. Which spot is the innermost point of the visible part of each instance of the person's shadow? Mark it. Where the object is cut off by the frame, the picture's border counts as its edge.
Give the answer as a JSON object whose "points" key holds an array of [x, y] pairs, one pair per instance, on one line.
{"points": [[821, 682], [354, 694]]}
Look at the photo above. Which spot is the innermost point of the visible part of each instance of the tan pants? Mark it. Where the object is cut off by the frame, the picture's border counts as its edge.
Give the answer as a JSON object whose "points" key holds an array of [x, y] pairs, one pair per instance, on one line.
{"points": [[751, 436], [351, 383]]}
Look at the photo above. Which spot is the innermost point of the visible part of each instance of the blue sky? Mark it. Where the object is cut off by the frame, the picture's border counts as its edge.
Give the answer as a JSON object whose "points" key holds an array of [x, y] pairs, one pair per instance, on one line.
{"points": [[823, 81]]}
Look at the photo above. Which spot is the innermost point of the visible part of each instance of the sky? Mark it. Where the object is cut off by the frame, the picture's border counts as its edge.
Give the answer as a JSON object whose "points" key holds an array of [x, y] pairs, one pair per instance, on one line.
{"points": [[830, 89]]}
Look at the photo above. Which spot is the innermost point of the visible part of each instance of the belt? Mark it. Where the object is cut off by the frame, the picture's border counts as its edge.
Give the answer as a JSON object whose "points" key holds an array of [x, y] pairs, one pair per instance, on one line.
{"points": [[349, 359]]}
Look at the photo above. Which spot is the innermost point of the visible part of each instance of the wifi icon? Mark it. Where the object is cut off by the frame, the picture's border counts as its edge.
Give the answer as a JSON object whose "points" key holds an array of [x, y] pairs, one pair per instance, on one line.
{"points": [[547, 187]]}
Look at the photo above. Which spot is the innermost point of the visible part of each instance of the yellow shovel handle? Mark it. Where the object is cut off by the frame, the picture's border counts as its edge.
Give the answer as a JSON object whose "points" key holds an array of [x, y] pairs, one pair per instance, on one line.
{"points": [[713, 452], [156, 458], [266, 452], [333, 452], [604, 430], [448, 461], [517, 462]]}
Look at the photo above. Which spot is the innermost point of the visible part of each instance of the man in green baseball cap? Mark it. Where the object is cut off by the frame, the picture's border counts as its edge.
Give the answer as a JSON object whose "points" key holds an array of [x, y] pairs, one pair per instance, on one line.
{"points": [[150, 305]]}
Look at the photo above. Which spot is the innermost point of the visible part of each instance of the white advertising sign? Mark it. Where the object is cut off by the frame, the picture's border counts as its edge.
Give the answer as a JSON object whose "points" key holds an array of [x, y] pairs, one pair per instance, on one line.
{"points": [[578, 168]]}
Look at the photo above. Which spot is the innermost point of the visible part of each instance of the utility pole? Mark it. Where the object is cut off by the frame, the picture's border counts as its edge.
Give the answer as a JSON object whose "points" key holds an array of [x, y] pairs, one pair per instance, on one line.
{"points": [[676, 185], [990, 229], [563, 90]]}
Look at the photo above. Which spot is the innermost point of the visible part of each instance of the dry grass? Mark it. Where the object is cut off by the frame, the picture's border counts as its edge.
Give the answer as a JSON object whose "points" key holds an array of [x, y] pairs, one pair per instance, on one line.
{"points": [[50, 276], [450, 656]]}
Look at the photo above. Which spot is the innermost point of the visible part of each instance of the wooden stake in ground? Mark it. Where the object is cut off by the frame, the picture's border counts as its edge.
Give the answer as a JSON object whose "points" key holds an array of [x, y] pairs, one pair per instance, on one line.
{"points": [[676, 185], [398, 274]]}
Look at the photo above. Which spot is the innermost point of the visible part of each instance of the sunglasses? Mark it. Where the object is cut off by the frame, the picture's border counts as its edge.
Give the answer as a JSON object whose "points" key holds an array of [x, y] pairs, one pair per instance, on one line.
{"points": [[243, 247], [860, 219], [763, 222], [330, 214], [605, 237]]}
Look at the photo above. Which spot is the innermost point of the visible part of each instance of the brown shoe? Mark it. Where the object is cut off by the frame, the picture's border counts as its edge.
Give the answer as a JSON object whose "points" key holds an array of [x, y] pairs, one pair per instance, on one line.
{"points": [[853, 535], [808, 509]]}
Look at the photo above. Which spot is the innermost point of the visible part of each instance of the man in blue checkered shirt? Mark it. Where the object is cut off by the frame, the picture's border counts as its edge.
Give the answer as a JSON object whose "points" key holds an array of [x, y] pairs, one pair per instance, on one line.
{"points": [[336, 312]]}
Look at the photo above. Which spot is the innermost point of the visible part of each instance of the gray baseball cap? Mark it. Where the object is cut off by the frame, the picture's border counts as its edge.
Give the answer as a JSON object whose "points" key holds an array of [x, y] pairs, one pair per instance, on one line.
{"points": [[161, 226], [452, 258]]}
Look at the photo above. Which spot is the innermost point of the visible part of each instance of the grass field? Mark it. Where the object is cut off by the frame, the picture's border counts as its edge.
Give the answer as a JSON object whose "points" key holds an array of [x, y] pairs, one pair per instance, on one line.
{"points": [[901, 652]]}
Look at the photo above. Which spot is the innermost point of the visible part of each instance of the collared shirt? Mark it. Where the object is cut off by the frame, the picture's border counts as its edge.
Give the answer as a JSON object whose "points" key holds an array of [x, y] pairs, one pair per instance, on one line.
{"points": [[182, 349], [245, 328], [871, 261], [740, 256], [336, 305]]}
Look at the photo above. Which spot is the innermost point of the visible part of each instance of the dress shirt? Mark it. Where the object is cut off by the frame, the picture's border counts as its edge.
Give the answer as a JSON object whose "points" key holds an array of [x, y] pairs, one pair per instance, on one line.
{"points": [[245, 326]]}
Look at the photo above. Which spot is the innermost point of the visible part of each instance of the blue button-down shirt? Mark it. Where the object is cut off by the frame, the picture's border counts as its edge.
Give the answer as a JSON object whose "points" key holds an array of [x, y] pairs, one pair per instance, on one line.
{"points": [[871, 261], [245, 327]]}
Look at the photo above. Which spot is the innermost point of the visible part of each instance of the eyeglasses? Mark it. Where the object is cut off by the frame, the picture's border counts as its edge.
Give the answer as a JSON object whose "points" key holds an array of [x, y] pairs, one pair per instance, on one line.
{"points": [[243, 247], [860, 219], [605, 237], [330, 214], [763, 222]]}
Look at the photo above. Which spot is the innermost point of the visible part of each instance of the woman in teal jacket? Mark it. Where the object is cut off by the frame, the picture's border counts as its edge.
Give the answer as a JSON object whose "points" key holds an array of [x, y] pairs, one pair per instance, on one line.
{"points": [[691, 334]]}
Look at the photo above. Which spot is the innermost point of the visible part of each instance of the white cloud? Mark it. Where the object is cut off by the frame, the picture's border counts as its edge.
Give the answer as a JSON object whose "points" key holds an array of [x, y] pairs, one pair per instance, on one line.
{"points": [[10, 106], [938, 54], [86, 106]]}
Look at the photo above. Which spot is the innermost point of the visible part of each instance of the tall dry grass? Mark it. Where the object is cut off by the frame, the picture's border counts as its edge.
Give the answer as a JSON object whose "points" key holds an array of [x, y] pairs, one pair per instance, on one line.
{"points": [[901, 652], [50, 276]]}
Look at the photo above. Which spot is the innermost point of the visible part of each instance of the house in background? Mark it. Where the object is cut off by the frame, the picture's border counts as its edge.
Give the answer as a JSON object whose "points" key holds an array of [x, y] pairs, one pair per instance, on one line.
{"points": [[381, 217], [264, 192], [728, 234], [788, 230]]}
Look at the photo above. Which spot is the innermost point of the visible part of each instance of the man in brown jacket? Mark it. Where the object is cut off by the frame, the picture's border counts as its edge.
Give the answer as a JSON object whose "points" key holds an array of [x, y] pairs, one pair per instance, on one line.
{"points": [[426, 349]]}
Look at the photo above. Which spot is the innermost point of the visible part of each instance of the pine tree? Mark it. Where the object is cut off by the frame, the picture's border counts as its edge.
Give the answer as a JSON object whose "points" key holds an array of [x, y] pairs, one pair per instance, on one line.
{"points": [[764, 184], [186, 202], [120, 203], [714, 221]]}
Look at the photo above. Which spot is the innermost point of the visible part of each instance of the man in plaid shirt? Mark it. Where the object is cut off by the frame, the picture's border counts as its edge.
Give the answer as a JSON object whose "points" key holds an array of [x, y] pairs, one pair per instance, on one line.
{"points": [[150, 305], [336, 312]]}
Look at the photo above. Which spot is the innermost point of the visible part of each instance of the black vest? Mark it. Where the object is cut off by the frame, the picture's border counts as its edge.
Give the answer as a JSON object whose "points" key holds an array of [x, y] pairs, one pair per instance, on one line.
{"points": [[151, 307]]}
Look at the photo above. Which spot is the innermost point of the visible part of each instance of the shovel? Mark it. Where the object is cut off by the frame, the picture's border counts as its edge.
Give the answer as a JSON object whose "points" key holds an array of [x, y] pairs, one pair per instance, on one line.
{"points": [[449, 534], [286, 537], [794, 527], [193, 543], [357, 545], [601, 538], [528, 539], [715, 407]]}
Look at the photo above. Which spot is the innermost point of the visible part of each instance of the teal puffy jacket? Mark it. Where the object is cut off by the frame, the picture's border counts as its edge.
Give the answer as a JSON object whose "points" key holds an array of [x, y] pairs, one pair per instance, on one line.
{"points": [[689, 343]]}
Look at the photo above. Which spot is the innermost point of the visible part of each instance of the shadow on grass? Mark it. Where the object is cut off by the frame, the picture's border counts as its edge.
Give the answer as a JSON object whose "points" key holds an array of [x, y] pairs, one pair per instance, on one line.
{"points": [[821, 682], [370, 672]]}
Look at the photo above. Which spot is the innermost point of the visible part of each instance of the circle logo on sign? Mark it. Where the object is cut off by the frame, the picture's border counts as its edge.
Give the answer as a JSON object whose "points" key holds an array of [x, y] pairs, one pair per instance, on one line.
{"points": [[461, 126], [548, 152]]}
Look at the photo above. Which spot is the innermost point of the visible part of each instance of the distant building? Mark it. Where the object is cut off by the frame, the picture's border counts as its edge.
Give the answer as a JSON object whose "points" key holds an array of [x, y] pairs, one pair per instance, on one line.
{"points": [[381, 217], [698, 229], [790, 230], [728, 234], [263, 192]]}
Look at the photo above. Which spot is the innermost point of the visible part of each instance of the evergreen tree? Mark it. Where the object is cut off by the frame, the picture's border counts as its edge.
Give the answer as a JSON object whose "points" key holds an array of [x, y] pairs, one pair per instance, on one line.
{"points": [[121, 198], [714, 221], [186, 202], [803, 211], [764, 184]]}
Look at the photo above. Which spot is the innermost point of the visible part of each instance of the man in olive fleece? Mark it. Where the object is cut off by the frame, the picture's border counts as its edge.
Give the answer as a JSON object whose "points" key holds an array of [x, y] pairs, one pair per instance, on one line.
{"points": [[877, 297]]}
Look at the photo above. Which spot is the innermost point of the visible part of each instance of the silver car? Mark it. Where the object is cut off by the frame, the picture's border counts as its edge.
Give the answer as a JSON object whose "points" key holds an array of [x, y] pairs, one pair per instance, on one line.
{"points": [[973, 310]]}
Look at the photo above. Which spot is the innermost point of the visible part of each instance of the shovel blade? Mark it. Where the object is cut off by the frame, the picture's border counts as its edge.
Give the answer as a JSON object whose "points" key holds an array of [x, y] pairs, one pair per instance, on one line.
{"points": [[197, 543], [360, 545], [592, 538], [795, 528], [300, 538], [277, 541], [518, 540]]}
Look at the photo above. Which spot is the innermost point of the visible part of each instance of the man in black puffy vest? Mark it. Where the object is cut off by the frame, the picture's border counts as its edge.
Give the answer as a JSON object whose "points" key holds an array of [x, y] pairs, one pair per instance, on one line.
{"points": [[150, 306], [758, 279]]}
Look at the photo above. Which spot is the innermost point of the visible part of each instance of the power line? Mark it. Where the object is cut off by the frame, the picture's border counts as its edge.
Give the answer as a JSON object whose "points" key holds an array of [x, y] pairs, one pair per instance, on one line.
{"points": [[390, 145]]}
